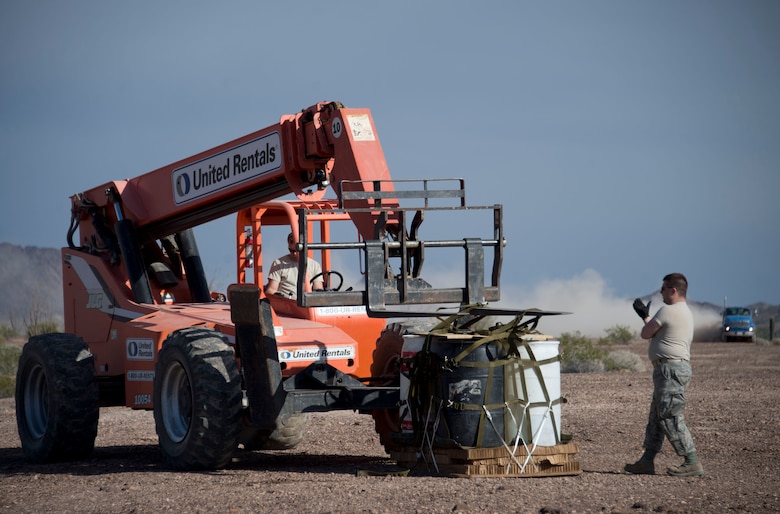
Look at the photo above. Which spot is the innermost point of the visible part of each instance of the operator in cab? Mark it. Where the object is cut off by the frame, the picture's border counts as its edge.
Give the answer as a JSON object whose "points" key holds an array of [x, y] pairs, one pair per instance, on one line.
{"points": [[283, 277]]}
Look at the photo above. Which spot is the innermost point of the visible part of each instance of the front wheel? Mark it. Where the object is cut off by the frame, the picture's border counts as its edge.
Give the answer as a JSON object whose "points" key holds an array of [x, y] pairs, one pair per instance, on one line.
{"points": [[387, 367], [57, 400], [197, 399]]}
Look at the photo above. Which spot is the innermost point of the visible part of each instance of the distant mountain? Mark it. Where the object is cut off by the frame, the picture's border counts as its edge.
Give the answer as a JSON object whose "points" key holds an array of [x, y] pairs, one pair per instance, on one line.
{"points": [[30, 282], [765, 311]]}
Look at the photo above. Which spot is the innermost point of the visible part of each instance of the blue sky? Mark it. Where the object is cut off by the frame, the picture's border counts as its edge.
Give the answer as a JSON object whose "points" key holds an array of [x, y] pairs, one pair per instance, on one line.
{"points": [[625, 140]]}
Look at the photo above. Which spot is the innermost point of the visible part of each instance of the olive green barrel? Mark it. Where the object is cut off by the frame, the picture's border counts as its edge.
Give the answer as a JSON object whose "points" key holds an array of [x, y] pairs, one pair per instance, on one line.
{"points": [[469, 391]]}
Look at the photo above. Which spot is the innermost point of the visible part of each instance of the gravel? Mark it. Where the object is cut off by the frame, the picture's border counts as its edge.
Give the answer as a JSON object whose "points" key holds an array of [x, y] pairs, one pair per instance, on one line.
{"points": [[732, 412]]}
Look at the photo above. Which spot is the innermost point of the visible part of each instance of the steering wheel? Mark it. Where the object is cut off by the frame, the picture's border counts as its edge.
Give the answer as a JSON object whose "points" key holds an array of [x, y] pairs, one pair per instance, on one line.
{"points": [[326, 279]]}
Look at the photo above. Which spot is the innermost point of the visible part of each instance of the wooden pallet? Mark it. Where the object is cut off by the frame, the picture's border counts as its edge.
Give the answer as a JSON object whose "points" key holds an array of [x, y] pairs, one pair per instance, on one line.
{"points": [[545, 461]]}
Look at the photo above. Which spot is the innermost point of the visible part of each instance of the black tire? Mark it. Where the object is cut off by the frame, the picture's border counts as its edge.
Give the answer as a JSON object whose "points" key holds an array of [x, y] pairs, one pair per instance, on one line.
{"points": [[57, 399], [288, 434], [197, 400], [387, 366]]}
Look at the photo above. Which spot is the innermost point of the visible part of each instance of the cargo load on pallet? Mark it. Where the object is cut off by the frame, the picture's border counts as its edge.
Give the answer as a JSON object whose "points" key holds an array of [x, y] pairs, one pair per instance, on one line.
{"points": [[491, 390]]}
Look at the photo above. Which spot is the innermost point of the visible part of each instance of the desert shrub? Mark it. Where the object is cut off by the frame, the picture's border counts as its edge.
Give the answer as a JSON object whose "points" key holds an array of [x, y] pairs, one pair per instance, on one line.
{"points": [[620, 360], [7, 332], [41, 327], [580, 355], [619, 334], [582, 366], [38, 321], [9, 360], [35, 324]]}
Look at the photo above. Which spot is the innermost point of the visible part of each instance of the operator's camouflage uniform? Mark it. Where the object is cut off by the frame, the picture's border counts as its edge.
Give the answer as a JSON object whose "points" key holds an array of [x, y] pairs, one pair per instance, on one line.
{"points": [[670, 380]]}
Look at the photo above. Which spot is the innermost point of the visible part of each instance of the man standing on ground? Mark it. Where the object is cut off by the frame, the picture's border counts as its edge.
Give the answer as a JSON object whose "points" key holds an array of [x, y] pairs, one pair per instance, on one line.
{"points": [[670, 332]]}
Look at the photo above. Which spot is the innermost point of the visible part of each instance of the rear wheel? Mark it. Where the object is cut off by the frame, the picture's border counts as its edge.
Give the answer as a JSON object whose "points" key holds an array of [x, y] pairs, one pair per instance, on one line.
{"points": [[387, 366], [57, 400], [197, 399], [288, 434]]}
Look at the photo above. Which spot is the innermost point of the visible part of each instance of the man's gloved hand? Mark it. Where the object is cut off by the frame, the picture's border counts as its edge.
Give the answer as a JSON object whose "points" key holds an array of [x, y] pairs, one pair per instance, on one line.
{"points": [[642, 309]]}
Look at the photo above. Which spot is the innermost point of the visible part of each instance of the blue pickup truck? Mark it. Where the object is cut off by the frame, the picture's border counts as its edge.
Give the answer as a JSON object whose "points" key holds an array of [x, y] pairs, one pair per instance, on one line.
{"points": [[737, 325]]}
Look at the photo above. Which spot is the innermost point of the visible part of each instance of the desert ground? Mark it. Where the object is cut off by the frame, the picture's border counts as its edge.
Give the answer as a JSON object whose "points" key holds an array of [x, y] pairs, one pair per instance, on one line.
{"points": [[733, 413]]}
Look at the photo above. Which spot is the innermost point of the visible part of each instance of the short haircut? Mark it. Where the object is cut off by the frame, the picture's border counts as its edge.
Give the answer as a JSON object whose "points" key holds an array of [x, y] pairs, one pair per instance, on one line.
{"points": [[677, 281]]}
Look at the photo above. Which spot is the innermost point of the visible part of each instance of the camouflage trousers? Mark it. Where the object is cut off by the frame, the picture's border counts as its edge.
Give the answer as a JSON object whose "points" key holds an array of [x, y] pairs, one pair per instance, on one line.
{"points": [[667, 410]]}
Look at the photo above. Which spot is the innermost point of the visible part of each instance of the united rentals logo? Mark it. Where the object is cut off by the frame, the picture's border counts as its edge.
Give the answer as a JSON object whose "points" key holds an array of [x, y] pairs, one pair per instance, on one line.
{"points": [[140, 349], [227, 168], [315, 353]]}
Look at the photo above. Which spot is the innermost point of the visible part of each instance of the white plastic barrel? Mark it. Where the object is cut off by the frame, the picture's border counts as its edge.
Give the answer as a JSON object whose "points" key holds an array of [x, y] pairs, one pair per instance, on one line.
{"points": [[412, 345], [537, 426]]}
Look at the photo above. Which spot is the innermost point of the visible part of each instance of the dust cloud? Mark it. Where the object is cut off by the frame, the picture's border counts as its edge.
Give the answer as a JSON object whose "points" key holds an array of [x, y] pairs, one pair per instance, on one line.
{"points": [[594, 306]]}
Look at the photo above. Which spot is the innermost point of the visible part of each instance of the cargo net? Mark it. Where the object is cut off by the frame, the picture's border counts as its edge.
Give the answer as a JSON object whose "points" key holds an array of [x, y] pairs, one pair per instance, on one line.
{"points": [[495, 387]]}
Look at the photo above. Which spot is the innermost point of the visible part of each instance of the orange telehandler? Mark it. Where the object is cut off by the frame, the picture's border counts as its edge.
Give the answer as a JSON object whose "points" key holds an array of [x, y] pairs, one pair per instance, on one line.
{"points": [[143, 329]]}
